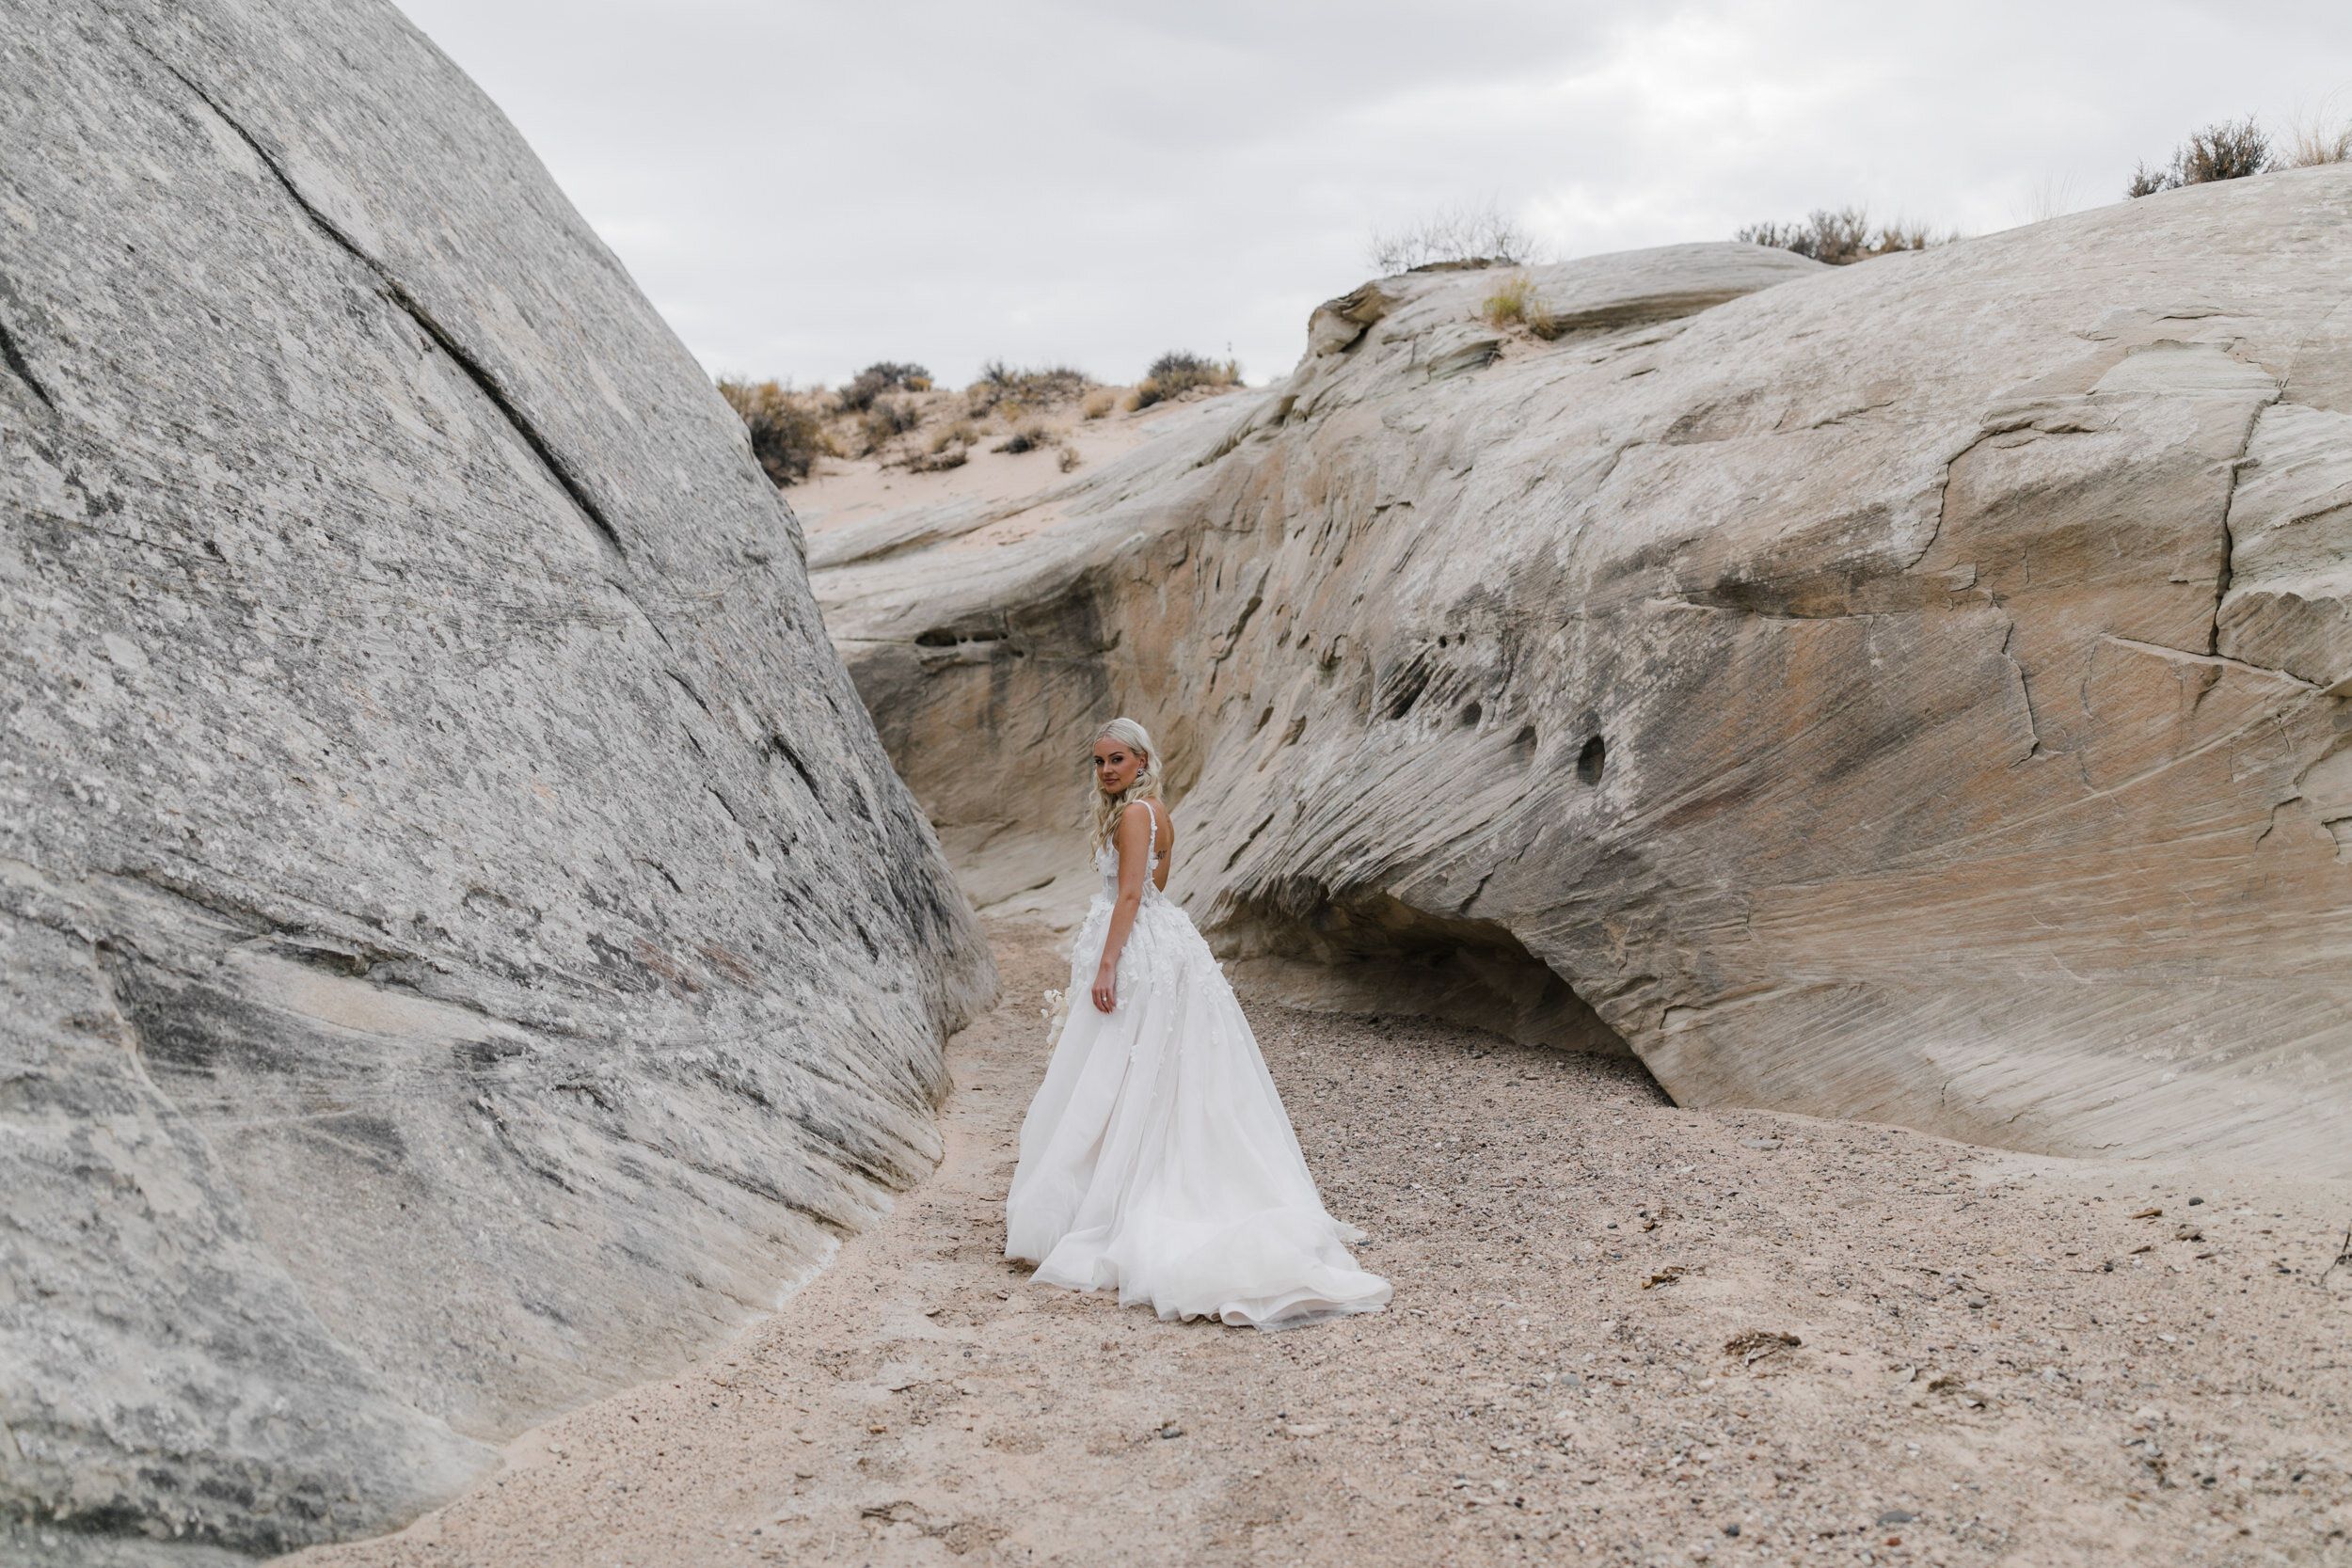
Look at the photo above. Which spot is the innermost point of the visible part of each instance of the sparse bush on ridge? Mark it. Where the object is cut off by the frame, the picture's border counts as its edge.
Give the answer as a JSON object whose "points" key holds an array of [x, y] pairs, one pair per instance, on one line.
{"points": [[1176, 373], [1036, 435], [786, 434], [2317, 137], [1001, 384], [1031, 436], [1842, 237], [949, 447], [938, 460], [2239, 149], [2316, 146], [880, 377], [1513, 303], [893, 414], [1464, 237], [888, 419], [2226, 150]]}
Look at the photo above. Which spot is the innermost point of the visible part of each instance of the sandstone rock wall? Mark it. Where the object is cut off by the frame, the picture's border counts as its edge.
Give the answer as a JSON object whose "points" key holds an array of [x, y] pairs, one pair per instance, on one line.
{"points": [[464, 948], [1914, 691]]}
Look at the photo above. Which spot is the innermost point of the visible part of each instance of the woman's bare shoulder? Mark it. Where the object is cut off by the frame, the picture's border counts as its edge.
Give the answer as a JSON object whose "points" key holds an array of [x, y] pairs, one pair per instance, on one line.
{"points": [[1148, 818]]}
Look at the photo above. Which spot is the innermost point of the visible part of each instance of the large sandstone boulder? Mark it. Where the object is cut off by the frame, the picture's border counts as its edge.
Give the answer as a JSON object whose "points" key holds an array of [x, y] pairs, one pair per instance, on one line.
{"points": [[1914, 691], [464, 948]]}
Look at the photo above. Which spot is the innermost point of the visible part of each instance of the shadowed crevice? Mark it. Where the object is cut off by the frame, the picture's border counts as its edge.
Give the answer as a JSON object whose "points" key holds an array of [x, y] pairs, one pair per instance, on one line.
{"points": [[15, 357], [1370, 952]]}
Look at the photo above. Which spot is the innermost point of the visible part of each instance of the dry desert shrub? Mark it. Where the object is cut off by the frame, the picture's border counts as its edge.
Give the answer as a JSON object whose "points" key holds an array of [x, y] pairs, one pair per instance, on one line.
{"points": [[888, 419], [1070, 458], [1515, 303], [1462, 237], [1176, 373], [787, 436], [1100, 403], [949, 447], [1040, 387], [885, 375], [1842, 237], [1030, 437], [2226, 149], [2319, 137]]}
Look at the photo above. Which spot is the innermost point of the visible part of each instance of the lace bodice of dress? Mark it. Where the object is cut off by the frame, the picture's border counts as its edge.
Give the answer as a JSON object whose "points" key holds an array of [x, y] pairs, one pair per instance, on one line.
{"points": [[1106, 862]]}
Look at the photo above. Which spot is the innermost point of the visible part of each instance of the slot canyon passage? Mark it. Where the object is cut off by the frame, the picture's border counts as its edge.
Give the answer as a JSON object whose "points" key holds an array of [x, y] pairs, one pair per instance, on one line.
{"points": [[1922, 895], [1788, 840]]}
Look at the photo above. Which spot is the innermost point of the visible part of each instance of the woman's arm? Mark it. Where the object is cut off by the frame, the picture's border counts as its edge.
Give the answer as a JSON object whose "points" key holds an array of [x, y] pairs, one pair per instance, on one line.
{"points": [[1133, 838]]}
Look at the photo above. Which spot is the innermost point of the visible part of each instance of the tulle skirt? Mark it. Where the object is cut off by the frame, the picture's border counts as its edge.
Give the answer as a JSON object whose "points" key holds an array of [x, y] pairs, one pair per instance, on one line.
{"points": [[1156, 1160]]}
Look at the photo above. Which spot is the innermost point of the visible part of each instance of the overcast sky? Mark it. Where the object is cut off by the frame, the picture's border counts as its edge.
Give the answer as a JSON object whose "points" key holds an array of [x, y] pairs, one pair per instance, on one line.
{"points": [[804, 188]]}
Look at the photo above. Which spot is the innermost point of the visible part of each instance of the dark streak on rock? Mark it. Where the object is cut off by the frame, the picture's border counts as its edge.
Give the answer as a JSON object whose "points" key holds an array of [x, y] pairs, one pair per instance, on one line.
{"points": [[15, 357], [398, 293]]}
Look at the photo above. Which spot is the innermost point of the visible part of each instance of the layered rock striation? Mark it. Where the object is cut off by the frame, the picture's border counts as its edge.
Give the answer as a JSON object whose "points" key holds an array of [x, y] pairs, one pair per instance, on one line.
{"points": [[464, 948], [1914, 691]]}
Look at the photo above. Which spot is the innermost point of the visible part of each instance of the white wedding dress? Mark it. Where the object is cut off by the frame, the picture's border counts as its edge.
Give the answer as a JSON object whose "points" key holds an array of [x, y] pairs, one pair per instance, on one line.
{"points": [[1156, 1160]]}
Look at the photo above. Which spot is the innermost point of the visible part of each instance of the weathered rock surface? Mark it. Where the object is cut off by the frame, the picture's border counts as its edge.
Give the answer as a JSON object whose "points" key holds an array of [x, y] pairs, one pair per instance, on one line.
{"points": [[464, 946], [1914, 691]]}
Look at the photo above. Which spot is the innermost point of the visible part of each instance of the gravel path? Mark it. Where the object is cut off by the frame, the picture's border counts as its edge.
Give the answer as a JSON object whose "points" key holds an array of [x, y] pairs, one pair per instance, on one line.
{"points": [[1623, 1333]]}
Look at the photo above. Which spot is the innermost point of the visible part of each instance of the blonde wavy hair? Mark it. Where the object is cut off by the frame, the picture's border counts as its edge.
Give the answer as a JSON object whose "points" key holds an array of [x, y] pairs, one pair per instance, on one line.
{"points": [[1146, 787]]}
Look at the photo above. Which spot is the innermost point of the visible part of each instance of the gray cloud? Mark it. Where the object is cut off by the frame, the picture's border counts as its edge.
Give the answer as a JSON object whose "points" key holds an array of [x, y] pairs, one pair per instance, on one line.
{"points": [[804, 188]]}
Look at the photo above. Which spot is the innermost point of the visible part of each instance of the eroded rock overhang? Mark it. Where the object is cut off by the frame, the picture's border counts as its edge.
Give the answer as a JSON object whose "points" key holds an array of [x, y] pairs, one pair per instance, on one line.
{"points": [[1912, 691]]}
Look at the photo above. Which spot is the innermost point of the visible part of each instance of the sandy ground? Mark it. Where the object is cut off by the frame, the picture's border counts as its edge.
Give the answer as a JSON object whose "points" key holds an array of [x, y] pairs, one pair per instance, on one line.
{"points": [[1623, 1333]]}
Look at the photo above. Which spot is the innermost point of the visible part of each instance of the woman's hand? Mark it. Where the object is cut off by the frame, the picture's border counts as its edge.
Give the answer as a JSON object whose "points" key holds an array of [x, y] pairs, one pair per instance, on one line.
{"points": [[1106, 989]]}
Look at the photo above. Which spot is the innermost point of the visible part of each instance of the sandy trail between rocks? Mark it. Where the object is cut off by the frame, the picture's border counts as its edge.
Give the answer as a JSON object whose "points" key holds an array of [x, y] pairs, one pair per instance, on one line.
{"points": [[2001, 1359]]}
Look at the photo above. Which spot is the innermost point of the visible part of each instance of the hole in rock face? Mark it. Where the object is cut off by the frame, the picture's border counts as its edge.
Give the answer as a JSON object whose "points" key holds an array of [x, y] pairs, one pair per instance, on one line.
{"points": [[943, 637], [1470, 716], [1410, 683], [1591, 760]]}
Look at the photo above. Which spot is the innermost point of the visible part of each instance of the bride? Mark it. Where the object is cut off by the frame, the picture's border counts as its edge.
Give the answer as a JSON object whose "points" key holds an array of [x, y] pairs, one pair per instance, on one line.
{"points": [[1156, 1159]]}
